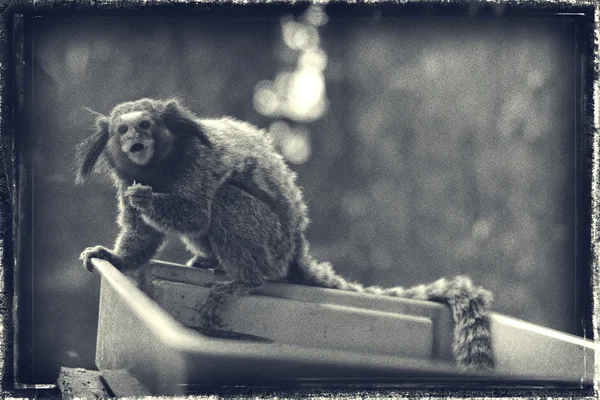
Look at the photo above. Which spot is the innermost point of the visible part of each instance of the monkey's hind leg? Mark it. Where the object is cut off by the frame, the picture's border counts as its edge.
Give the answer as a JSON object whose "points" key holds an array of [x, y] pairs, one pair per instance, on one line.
{"points": [[204, 257], [221, 293], [202, 262], [246, 238]]}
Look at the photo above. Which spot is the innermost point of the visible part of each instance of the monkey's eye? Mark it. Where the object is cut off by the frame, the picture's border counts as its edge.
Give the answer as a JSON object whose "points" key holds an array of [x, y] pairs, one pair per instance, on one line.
{"points": [[145, 124], [122, 129]]}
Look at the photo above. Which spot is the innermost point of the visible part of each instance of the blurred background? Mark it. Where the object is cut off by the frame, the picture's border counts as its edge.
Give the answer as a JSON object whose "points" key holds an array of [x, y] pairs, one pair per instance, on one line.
{"points": [[426, 147]]}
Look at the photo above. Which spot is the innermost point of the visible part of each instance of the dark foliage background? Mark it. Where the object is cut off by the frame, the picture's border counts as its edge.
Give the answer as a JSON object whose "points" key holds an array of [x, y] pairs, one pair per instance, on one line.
{"points": [[446, 146]]}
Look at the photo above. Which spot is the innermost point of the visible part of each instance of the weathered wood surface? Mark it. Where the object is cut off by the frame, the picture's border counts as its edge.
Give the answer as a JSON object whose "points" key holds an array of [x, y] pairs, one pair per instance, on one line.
{"points": [[79, 383], [324, 334], [527, 350], [122, 384], [135, 334]]}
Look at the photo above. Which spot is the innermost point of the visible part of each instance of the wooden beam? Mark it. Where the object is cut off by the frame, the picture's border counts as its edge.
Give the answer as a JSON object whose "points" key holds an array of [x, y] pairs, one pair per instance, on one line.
{"points": [[79, 383], [143, 332]]}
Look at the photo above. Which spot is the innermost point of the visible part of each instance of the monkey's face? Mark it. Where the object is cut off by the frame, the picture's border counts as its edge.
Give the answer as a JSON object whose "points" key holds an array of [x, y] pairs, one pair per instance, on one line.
{"points": [[136, 134], [143, 136]]}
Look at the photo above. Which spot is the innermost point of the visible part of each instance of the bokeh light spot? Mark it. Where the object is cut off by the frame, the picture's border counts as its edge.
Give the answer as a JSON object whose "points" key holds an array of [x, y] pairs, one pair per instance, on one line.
{"points": [[77, 58]]}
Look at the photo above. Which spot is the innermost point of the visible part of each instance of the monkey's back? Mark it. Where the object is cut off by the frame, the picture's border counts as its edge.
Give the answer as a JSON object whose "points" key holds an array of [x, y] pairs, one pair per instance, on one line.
{"points": [[239, 144]]}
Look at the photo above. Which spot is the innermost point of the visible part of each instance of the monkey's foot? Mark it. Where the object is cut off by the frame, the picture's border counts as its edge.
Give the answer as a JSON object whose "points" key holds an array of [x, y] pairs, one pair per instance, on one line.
{"points": [[206, 263], [203, 262], [221, 293], [211, 323], [209, 318]]}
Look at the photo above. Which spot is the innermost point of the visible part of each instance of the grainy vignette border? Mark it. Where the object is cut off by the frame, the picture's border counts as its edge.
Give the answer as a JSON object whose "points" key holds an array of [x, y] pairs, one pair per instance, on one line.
{"points": [[11, 68], [595, 190], [7, 199]]}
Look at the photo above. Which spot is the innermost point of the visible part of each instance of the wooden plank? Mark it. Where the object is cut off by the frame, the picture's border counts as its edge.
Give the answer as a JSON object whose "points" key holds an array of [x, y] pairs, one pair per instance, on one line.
{"points": [[304, 323], [526, 350], [122, 384], [137, 334], [79, 383], [442, 328], [558, 356], [133, 334]]}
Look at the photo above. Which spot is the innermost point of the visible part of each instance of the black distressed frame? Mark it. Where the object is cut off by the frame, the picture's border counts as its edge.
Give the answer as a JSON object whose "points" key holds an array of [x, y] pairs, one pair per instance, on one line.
{"points": [[14, 92]]}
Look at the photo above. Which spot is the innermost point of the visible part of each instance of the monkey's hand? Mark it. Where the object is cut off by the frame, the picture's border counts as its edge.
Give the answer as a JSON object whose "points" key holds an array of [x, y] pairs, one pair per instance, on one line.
{"points": [[100, 252], [139, 196]]}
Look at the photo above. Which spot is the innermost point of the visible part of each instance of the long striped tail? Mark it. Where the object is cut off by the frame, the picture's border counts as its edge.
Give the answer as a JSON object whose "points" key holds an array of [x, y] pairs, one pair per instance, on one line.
{"points": [[471, 346]]}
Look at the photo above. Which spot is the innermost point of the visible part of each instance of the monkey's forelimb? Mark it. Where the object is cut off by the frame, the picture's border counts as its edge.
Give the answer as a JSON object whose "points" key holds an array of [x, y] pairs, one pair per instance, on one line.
{"points": [[171, 212], [136, 243], [132, 249]]}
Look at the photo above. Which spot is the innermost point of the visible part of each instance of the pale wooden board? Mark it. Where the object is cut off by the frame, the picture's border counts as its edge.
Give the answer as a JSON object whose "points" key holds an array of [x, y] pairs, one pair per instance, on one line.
{"points": [[123, 384], [439, 315], [305, 323], [136, 334], [81, 383]]}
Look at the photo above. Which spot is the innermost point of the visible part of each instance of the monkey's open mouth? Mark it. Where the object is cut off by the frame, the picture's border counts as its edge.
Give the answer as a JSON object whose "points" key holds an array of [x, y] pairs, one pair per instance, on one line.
{"points": [[137, 147], [140, 152]]}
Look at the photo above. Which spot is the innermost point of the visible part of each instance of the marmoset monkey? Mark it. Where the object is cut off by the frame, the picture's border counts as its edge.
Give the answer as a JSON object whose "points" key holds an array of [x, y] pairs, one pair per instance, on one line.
{"points": [[220, 185]]}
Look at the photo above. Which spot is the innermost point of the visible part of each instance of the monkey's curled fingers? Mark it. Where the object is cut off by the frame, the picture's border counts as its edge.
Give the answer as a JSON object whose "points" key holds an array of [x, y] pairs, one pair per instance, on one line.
{"points": [[139, 196], [95, 252]]}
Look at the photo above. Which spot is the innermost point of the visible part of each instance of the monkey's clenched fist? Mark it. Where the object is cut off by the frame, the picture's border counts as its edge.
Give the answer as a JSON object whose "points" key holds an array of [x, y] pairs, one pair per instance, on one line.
{"points": [[139, 196]]}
